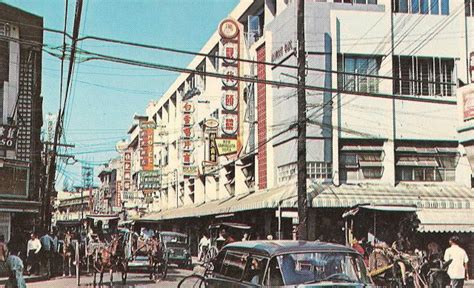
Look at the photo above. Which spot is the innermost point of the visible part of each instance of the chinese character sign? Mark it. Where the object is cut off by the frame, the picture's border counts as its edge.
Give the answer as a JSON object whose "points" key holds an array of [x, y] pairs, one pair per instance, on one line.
{"points": [[146, 145], [127, 165], [8, 136], [229, 121]]}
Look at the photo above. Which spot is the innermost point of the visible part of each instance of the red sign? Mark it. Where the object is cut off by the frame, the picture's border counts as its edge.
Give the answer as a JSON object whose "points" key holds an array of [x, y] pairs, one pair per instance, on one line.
{"points": [[229, 122], [127, 165], [468, 107], [471, 66]]}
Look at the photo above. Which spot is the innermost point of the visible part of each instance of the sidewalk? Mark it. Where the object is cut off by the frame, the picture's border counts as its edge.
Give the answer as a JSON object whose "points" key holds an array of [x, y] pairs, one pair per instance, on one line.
{"points": [[31, 278]]}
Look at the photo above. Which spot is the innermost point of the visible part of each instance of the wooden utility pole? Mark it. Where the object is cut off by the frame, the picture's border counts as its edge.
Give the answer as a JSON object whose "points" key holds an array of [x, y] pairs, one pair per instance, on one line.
{"points": [[301, 157]]}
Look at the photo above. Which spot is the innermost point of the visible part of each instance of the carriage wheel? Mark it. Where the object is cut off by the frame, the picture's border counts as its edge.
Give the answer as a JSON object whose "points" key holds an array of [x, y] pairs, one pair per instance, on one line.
{"points": [[193, 281]]}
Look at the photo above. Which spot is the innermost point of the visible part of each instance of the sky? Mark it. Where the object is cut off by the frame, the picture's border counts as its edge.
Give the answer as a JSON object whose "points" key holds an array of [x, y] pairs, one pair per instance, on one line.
{"points": [[105, 96]]}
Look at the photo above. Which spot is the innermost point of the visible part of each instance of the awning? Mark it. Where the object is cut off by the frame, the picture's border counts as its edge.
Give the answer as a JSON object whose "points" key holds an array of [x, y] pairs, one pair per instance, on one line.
{"points": [[383, 208], [418, 163], [103, 217], [446, 220], [361, 148], [439, 195], [370, 164]]}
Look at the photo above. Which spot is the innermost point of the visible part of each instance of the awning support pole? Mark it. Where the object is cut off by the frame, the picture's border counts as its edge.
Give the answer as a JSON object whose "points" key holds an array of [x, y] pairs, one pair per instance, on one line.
{"points": [[279, 220]]}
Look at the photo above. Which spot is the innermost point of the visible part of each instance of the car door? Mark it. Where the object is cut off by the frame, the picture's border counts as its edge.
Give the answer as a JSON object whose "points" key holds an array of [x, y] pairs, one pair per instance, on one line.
{"points": [[229, 269]]}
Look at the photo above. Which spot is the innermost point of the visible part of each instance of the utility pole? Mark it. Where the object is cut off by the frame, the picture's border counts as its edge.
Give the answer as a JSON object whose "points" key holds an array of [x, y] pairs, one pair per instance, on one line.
{"points": [[301, 157], [59, 122]]}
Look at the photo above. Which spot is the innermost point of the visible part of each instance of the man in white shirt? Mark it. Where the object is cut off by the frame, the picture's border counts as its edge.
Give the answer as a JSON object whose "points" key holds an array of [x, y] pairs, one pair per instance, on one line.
{"points": [[457, 270], [32, 250]]}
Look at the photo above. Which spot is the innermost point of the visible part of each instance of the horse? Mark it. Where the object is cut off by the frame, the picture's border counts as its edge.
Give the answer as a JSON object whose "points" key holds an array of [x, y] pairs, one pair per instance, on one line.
{"points": [[68, 254], [105, 259], [155, 258]]}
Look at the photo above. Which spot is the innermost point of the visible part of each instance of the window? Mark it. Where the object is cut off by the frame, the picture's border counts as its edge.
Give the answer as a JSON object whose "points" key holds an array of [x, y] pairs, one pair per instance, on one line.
{"points": [[416, 163], [361, 160], [233, 265], [315, 171], [422, 76], [359, 70], [200, 77], [422, 6], [255, 270]]}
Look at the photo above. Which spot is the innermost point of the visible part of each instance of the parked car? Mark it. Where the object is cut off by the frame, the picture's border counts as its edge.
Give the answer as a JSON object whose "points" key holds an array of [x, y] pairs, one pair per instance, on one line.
{"points": [[176, 248], [288, 263]]}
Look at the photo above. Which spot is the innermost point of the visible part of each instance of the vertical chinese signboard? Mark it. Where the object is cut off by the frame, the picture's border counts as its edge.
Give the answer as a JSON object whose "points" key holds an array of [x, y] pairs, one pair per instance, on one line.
{"points": [[188, 134], [146, 145], [127, 171], [230, 33]]}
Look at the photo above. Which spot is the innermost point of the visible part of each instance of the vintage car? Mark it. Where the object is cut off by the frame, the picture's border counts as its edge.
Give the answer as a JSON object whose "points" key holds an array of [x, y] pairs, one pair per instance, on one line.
{"points": [[176, 248], [289, 264]]}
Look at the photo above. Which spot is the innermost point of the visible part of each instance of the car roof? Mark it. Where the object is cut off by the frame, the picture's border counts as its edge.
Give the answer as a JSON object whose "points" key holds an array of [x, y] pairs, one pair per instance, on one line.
{"points": [[276, 247], [170, 233]]}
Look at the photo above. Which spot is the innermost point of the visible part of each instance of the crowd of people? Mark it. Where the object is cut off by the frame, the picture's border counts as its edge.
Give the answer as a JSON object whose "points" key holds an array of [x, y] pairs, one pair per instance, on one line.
{"points": [[43, 254]]}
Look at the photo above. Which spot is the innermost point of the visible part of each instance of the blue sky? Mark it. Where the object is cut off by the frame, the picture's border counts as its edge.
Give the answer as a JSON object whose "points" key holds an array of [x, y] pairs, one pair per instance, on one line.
{"points": [[105, 95]]}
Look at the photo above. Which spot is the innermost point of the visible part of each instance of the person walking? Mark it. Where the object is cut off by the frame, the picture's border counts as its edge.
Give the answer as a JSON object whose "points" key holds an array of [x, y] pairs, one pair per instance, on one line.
{"points": [[457, 270], [33, 248], [15, 269], [47, 252]]}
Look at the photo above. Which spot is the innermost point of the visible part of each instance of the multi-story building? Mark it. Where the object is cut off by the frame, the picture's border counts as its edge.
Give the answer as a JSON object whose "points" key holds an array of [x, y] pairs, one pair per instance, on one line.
{"points": [[381, 121], [21, 39]]}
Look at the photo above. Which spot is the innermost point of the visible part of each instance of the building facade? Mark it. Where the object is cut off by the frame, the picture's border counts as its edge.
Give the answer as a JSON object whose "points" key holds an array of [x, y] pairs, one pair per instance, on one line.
{"points": [[382, 122], [21, 39]]}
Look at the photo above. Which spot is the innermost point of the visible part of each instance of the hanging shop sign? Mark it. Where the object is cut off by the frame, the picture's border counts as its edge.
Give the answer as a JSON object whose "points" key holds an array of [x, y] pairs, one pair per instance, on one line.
{"points": [[230, 124], [226, 146], [187, 145], [211, 124], [230, 100], [127, 166], [191, 171], [188, 107], [8, 136], [212, 147], [230, 80], [229, 30], [146, 144], [188, 158], [471, 66]]}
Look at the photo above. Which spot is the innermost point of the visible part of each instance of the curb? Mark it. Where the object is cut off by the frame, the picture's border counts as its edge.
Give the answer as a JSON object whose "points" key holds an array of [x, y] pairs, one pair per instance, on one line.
{"points": [[28, 279]]}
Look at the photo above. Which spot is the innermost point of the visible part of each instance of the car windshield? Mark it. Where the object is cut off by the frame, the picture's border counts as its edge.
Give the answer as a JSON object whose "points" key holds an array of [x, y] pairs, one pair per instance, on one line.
{"points": [[173, 238], [318, 267]]}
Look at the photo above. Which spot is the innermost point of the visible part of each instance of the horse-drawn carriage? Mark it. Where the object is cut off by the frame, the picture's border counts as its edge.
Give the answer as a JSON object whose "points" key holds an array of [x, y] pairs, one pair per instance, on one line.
{"points": [[122, 250]]}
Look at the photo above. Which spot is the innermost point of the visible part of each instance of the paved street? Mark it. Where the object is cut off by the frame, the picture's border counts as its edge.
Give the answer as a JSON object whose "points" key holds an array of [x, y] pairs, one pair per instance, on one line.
{"points": [[134, 280]]}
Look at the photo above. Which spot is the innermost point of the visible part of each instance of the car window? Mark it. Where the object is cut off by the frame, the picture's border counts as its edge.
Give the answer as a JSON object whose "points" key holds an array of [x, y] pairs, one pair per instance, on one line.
{"points": [[234, 264], [255, 269], [217, 262], [273, 277]]}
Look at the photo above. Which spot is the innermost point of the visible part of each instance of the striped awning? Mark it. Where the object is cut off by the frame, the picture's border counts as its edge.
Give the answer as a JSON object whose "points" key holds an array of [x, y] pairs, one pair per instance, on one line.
{"points": [[446, 220], [436, 196]]}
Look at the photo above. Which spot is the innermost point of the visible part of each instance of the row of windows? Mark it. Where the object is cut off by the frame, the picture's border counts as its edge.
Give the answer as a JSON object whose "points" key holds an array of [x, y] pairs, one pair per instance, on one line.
{"points": [[315, 171], [420, 76], [434, 7]]}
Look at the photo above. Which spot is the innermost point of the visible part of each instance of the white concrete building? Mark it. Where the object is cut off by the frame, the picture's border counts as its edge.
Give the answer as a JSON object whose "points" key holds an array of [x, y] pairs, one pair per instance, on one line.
{"points": [[382, 129]]}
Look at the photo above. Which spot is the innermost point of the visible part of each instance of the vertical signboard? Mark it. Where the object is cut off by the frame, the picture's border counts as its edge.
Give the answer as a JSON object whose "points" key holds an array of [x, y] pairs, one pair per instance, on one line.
{"points": [[127, 166], [146, 145], [187, 133], [230, 120], [471, 66]]}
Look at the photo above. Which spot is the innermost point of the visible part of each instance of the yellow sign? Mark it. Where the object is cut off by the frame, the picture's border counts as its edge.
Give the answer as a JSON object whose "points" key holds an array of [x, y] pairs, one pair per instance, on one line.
{"points": [[192, 171], [226, 146]]}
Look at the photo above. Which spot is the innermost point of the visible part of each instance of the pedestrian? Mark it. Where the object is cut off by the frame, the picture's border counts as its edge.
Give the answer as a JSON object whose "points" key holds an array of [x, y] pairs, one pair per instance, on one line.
{"points": [[203, 246], [15, 270], [245, 237], [3, 249], [269, 237], [457, 270], [47, 252], [55, 253], [33, 248]]}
